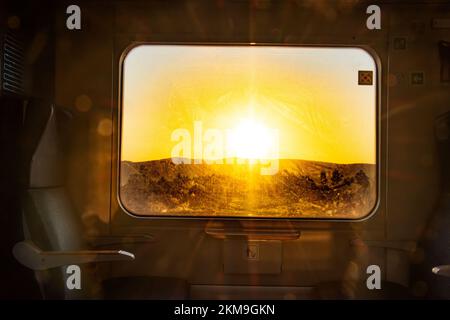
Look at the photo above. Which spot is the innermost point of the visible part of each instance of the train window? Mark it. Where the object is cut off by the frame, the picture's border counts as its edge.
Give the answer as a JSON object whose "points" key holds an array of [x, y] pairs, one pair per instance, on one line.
{"points": [[248, 131]]}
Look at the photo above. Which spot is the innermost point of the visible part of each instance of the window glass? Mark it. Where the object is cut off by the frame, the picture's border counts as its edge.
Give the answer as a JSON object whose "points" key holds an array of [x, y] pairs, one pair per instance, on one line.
{"points": [[248, 131]]}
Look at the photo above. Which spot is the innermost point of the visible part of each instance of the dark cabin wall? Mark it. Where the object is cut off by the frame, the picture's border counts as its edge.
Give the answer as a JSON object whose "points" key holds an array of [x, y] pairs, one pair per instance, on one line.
{"points": [[323, 252], [414, 174], [85, 64], [413, 177], [84, 85], [86, 82], [32, 23]]}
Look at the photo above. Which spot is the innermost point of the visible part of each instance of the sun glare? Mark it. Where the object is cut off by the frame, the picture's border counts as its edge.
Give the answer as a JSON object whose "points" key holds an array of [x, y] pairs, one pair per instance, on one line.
{"points": [[309, 95], [251, 139]]}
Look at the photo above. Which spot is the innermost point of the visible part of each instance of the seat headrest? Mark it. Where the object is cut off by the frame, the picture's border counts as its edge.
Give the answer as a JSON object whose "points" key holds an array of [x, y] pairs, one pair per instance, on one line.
{"points": [[45, 131]]}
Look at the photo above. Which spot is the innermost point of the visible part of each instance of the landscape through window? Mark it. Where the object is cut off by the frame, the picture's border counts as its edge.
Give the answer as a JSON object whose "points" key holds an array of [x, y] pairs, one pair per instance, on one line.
{"points": [[248, 131]]}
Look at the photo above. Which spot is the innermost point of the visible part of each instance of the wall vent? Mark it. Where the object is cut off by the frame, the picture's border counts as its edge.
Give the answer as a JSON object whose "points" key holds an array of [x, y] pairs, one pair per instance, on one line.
{"points": [[12, 64]]}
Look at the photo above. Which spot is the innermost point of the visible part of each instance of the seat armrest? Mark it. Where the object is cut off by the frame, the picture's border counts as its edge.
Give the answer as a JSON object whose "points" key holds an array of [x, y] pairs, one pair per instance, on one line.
{"points": [[31, 256], [443, 270]]}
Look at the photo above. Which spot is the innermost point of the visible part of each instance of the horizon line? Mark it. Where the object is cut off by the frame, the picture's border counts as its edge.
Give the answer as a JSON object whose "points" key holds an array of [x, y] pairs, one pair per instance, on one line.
{"points": [[246, 160]]}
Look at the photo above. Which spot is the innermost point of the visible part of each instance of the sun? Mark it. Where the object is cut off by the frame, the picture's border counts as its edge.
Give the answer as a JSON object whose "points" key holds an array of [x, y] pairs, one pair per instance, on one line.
{"points": [[252, 139]]}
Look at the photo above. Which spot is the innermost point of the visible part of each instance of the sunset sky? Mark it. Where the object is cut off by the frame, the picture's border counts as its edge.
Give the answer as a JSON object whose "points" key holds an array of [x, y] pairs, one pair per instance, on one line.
{"points": [[310, 96]]}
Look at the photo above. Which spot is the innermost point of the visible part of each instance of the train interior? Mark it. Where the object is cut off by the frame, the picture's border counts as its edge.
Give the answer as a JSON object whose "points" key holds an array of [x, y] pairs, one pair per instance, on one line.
{"points": [[77, 190]]}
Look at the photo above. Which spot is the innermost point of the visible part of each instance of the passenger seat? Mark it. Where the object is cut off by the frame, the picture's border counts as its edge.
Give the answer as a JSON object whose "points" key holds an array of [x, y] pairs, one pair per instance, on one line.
{"points": [[51, 223]]}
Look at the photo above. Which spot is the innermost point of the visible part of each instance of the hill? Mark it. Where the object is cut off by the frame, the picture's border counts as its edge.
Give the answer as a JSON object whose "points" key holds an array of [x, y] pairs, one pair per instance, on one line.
{"points": [[300, 188]]}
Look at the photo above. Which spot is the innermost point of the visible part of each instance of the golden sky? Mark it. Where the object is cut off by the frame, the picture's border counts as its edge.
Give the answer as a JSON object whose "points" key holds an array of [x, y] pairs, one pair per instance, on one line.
{"points": [[309, 95]]}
